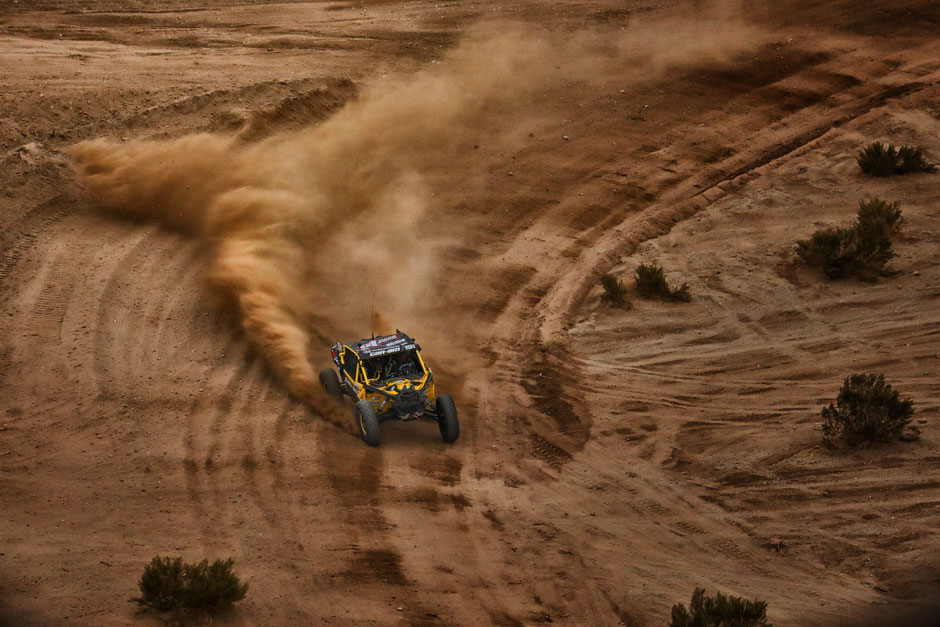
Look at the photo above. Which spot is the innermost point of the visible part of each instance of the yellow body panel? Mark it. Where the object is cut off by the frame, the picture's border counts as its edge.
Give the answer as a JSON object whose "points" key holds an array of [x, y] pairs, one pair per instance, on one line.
{"points": [[392, 386]]}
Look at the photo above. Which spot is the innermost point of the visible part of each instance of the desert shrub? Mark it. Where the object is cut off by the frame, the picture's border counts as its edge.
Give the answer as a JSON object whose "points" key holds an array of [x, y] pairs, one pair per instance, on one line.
{"points": [[719, 611], [911, 160], [651, 283], [879, 159], [171, 584], [614, 291], [867, 410], [861, 249], [879, 215], [212, 587], [161, 585]]}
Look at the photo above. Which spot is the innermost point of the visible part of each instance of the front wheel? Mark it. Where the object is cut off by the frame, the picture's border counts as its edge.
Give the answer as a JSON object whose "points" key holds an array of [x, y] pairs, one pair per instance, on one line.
{"points": [[447, 418], [368, 423]]}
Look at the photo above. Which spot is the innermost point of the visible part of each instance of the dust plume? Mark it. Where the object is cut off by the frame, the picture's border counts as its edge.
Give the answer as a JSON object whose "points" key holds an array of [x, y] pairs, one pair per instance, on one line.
{"points": [[302, 226], [381, 324]]}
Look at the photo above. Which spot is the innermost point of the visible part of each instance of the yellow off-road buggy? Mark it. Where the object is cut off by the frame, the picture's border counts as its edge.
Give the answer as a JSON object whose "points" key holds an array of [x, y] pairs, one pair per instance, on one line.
{"points": [[387, 379]]}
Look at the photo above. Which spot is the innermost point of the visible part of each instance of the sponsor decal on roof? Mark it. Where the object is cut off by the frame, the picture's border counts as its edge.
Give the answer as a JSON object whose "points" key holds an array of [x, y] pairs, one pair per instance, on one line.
{"points": [[390, 349], [386, 345]]}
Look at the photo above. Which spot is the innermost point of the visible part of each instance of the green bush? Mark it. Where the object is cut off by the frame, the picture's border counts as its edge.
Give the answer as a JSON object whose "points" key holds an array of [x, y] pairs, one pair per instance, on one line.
{"points": [[861, 249], [867, 410], [719, 611], [912, 160], [170, 584], [651, 283], [161, 585], [614, 291], [879, 159], [879, 215]]}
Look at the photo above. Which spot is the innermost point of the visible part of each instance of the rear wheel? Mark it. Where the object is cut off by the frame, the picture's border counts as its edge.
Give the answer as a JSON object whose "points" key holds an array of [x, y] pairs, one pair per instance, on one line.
{"points": [[447, 418], [330, 382], [368, 422]]}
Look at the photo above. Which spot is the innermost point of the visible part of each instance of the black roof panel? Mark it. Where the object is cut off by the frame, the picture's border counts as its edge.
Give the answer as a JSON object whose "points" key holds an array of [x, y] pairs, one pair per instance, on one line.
{"points": [[385, 345]]}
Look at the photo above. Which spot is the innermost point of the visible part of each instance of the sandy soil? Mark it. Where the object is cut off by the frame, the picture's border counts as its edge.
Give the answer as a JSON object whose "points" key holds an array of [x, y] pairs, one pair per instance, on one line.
{"points": [[610, 460]]}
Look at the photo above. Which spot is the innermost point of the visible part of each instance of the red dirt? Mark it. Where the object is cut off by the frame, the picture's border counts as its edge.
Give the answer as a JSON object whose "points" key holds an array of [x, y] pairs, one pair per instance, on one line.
{"points": [[610, 460]]}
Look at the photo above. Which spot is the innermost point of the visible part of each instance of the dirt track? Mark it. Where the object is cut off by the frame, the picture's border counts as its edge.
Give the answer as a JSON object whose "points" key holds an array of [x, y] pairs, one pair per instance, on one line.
{"points": [[610, 461]]}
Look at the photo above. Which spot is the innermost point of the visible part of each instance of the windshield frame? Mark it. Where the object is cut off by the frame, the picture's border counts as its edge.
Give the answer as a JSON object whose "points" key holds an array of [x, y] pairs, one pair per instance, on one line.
{"points": [[380, 363]]}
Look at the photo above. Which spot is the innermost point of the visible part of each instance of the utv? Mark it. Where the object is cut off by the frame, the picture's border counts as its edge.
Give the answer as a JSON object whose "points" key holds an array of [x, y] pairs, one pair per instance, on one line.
{"points": [[387, 379]]}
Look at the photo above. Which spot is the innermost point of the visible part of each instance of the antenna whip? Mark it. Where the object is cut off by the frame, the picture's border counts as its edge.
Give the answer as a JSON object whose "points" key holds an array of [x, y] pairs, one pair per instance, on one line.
{"points": [[372, 316]]}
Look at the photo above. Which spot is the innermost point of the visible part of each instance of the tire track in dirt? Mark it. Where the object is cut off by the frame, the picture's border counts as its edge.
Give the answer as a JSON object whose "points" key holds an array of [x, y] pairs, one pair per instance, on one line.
{"points": [[659, 218], [207, 415], [150, 282], [554, 310], [235, 470], [799, 503], [455, 564], [259, 460], [47, 311], [536, 238], [363, 556], [572, 495], [20, 236], [123, 328]]}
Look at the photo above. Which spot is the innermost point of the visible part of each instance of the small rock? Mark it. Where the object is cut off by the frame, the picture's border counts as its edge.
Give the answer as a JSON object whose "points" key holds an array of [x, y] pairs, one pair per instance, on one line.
{"points": [[29, 152], [564, 137], [916, 273]]}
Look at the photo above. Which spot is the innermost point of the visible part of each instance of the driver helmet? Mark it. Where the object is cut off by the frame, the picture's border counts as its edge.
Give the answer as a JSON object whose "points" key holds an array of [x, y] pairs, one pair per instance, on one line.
{"points": [[405, 366]]}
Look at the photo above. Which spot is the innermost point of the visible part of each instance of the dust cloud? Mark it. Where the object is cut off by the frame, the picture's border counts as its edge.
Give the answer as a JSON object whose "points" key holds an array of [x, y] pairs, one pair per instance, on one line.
{"points": [[304, 225]]}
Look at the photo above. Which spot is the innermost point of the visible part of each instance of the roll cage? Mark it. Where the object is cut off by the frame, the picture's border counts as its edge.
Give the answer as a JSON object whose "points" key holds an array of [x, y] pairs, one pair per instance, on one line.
{"points": [[372, 361]]}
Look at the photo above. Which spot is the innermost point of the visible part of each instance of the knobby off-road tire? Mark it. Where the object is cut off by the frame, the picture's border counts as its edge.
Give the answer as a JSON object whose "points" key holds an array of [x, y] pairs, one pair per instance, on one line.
{"points": [[330, 382], [447, 418], [368, 423]]}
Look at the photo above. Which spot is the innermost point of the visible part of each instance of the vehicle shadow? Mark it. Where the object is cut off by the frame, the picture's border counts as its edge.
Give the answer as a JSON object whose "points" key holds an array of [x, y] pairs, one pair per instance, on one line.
{"points": [[405, 435]]}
